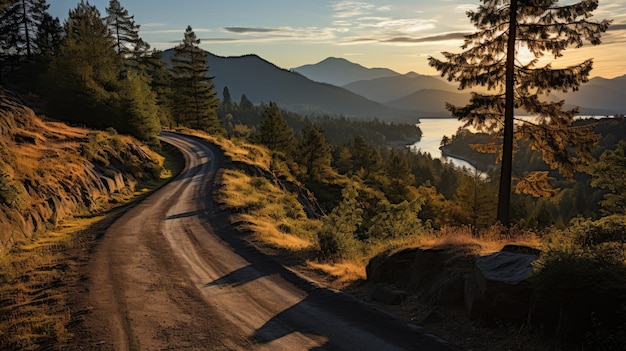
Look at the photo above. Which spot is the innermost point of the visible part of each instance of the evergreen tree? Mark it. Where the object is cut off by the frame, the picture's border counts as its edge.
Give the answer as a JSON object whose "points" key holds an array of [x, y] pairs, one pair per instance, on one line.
{"points": [[400, 177], [86, 69], [140, 107], [161, 84], [194, 92], [314, 152], [123, 28], [20, 23], [226, 98], [490, 60], [49, 35], [366, 159], [275, 133], [245, 103]]}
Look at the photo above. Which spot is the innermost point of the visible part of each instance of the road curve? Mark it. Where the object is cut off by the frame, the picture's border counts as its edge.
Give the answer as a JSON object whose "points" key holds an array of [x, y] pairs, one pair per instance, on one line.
{"points": [[171, 274]]}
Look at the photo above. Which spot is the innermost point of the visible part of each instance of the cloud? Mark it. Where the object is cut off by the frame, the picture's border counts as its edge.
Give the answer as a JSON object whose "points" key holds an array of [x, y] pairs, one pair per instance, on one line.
{"points": [[432, 38], [347, 9], [249, 29], [152, 25], [617, 27], [269, 34]]}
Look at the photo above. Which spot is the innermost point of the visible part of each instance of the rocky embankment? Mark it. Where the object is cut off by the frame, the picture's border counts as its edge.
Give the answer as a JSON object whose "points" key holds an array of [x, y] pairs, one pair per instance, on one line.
{"points": [[50, 171]]}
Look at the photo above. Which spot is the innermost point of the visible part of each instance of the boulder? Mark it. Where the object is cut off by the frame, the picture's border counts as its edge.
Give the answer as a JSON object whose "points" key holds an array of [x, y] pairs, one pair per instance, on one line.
{"points": [[497, 289], [435, 275]]}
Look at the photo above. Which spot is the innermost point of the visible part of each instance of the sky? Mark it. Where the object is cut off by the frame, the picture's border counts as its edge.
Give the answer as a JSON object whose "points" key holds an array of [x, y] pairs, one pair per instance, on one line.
{"points": [[395, 34]]}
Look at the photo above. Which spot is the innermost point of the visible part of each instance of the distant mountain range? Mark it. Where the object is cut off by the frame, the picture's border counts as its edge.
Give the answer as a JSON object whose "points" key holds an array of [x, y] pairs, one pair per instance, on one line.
{"points": [[262, 81], [337, 86], [339, 72]]}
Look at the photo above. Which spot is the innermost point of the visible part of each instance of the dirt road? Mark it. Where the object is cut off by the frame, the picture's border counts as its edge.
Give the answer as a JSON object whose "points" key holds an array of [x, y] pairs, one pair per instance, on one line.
{"points": [[171, 274]]}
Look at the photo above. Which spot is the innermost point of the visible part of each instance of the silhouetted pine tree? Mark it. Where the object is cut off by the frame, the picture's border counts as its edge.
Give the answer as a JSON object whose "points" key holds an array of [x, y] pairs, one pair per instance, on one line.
{"points": [[490, 59], [49, 35], [19, 23], [195, 98], [122, 27]]}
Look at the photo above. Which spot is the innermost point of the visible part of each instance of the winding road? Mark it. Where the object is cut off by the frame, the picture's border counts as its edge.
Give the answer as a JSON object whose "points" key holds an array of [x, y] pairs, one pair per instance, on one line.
{"points": [[172, 274]]}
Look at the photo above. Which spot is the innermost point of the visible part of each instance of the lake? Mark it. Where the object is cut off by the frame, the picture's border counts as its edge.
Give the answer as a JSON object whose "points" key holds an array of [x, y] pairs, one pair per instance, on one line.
{"points": [[433, 129]]}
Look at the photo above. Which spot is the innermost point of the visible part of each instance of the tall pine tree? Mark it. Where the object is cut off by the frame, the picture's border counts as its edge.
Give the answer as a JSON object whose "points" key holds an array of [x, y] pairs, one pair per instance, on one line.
{"points": [[123, 28], [491, 59], [194, 92]]}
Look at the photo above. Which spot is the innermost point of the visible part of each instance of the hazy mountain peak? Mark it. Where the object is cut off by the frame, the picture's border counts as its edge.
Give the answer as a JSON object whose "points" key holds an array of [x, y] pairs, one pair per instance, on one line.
{"points": [[340, 71]]}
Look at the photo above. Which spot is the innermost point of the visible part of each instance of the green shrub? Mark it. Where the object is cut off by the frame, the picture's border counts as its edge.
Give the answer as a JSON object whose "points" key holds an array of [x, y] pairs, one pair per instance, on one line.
{"points": [[336, 246]]}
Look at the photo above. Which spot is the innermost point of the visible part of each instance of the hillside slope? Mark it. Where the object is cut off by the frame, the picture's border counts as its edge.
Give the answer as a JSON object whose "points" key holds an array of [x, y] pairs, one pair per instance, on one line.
{"points": [[50, 171]]}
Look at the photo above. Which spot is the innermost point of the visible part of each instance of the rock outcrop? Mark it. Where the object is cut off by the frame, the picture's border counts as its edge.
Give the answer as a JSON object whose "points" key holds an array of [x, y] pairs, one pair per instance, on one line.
{"points": [[490, 288], [50, 171]]}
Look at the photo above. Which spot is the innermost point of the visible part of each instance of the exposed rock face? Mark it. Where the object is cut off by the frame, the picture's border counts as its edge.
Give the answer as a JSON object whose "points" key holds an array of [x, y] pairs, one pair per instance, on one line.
{"points": [[50, 171], [435, 275], [492, 287]]}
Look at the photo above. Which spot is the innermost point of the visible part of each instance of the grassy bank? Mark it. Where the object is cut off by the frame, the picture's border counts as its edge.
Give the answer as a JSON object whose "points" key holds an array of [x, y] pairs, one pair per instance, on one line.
{"points": [[38, 277]]}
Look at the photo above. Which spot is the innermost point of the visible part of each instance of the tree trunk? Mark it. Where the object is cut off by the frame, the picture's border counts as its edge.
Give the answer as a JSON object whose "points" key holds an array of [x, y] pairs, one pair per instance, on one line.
{"points": [[504, 195]]}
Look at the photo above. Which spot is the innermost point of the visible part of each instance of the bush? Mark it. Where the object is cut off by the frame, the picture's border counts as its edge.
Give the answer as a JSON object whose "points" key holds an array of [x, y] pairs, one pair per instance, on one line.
{"points": [[336, 246], [580, 280]]}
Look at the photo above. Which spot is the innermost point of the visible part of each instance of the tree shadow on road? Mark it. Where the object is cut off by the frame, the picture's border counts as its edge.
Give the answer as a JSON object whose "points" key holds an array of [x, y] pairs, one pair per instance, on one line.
{"points": [[237, 277]]}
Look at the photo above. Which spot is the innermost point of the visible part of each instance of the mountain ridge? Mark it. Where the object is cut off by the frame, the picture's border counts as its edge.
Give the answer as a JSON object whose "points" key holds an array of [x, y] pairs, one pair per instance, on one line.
{"points": [[262, 81]]}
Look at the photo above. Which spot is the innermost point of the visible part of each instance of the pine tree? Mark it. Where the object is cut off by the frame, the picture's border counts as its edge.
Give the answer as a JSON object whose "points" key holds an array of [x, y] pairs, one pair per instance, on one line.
{"points": [[275, 133], [122, 27], [490, 59], [245, 104], [314, 152], [49, 35], [226, 98], [19, 24], [86, 69], [139, 105], [195, 97]]}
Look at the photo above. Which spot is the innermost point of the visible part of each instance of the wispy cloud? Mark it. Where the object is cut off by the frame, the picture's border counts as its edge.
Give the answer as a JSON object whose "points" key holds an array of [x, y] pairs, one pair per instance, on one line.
{"points": [[347, 9], [249, 29], [144, 25], [181, 31], [266, 34], [429, 39]]}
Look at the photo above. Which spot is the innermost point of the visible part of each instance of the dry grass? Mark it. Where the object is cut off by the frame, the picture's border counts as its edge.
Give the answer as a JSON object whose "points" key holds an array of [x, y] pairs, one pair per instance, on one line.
{"points": [[33, 276], [274, 216], [342, 274], [36, 275], [236, 150]]}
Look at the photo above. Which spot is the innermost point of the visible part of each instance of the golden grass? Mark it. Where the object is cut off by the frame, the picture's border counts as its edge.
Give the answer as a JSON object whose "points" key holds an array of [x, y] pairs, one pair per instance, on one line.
{"points": [[36, 274], [342, 273], [267, 232], [34, 312]]}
